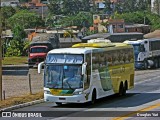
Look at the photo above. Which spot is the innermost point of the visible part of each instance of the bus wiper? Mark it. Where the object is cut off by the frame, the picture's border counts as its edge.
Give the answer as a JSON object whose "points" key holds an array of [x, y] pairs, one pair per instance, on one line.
{"points": [[69, 85], [65, 81]]}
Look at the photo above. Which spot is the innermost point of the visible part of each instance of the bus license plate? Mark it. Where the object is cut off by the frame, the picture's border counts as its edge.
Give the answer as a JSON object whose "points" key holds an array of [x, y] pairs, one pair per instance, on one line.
{"points": [[62, 98]]}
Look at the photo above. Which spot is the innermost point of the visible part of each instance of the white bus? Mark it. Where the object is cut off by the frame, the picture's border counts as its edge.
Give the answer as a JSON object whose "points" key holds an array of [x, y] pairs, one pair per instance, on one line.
{"points": [[88, 71]]}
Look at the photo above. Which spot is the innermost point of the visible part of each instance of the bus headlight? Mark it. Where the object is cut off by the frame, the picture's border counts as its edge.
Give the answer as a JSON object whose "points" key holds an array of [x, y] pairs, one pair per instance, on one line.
{"points": [[77, 92], [47, 92]]}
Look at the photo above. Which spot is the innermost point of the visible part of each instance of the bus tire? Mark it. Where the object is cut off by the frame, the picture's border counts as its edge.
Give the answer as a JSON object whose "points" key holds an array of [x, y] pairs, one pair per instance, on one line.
{"points": [[156, 63], [58, 103], [125, 88], [145, 65], [121, 89], [94, 97]]}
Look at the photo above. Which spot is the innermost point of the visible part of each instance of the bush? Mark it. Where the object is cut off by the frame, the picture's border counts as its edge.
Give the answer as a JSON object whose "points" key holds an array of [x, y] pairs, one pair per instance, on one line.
{"points": [[16, 48]]}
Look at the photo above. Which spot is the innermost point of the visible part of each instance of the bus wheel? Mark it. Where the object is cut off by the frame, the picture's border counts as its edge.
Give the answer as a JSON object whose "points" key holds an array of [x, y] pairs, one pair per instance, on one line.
{"points": [[159, 63], [145, 65], [58, 103], [125, 88], [121, 89], [156, 63], [93, 97]]}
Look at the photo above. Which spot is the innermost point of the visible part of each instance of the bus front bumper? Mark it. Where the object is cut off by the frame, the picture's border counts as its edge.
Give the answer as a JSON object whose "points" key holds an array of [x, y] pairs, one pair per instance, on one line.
{"points": [[139, 65], [65, 99]]}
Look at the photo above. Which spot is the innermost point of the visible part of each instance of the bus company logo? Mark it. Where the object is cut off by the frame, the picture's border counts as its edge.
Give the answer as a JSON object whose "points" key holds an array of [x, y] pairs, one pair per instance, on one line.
{"points": [[6, 114], [21, 114]]}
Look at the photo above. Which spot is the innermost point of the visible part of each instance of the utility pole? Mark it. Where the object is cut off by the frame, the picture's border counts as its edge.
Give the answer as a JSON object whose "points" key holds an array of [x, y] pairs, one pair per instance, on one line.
{"points": [[0, 52], [42, 12]]}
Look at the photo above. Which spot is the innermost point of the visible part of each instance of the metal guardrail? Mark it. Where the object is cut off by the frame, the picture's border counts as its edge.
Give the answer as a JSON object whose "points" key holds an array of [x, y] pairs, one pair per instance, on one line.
{"points": [[15, 70]]}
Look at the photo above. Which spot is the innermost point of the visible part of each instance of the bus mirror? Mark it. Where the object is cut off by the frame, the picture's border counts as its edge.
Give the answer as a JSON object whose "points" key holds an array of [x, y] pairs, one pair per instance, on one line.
{"points": [[84, 68], [40, 67], [142, 49]]}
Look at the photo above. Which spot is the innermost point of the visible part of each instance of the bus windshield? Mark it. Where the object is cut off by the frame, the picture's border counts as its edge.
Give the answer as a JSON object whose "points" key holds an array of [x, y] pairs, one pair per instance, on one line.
{"points": [[64, 58], [136, 48], [63, 76]]}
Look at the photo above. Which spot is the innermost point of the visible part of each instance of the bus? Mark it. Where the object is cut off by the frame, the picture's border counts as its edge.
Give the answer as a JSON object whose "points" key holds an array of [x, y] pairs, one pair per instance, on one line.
{"points": [[87, 71]]}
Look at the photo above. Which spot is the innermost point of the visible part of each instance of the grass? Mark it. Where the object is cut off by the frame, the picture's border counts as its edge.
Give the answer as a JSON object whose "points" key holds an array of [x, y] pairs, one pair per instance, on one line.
{"points": [[19, 100], [14, 60]]}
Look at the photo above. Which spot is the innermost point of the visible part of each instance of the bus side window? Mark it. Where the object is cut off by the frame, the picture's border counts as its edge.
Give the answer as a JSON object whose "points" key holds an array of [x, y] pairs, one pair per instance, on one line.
{"points": [[86, 79], [108, 59]]}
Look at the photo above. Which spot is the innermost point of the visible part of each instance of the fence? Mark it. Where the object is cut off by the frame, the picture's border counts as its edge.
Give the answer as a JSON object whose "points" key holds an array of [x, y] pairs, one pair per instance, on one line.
{"points": [[19, 82]]}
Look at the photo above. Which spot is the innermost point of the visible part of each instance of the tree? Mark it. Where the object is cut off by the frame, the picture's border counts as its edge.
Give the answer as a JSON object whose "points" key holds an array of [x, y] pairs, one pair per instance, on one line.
{"points": [[68, 7], [16, 47], [133, 5], [81, 19], [55, 7], [138, 17], [18, 33], [7, 12], [157, 6], [85, 6], [26, 19], [71, 7], [24, 1]]}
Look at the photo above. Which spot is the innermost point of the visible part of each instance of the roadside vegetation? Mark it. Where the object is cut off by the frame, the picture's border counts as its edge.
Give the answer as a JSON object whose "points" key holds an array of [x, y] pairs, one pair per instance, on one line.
{"points": [[73, 13], [14, 60], [20, 100]]}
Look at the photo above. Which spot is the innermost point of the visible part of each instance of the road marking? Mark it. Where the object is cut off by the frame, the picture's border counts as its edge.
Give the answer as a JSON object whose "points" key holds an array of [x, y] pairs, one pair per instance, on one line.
{"points": [[135, 112], [147, 80]]}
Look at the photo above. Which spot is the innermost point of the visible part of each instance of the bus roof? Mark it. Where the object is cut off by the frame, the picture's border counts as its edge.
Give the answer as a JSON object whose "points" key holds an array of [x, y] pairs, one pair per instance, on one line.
{"points": [[72, 50], [141, 40], [83, 48]]}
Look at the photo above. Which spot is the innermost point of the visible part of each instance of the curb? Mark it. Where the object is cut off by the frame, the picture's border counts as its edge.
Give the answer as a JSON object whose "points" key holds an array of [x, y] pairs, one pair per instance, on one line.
{"points": [[22, 105], [15, 67]]}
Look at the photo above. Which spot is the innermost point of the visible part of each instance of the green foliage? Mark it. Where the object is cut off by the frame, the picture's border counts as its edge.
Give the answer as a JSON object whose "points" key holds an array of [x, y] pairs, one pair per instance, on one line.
{"points": [[81, 19], [55, 7], [26, 19], [133, 5], [14, 49], [17, 46], [26, 45], [139, 16], [7, 12], [23, 1], [19, 33], [70, 7], [105, 23], [90, 32]]}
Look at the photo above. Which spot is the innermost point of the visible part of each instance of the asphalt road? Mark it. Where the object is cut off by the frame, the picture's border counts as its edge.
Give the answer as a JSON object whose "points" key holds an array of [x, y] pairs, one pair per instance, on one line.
{"points": [[142, 102]]}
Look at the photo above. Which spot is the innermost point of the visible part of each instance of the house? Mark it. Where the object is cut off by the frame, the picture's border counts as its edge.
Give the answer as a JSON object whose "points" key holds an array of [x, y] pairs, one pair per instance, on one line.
{"points": [[137, 28], [45, 1], [116, 25], [98, 21], [13, 3], [7, 34], [103, 23], [40, 8], [155, 6]]}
